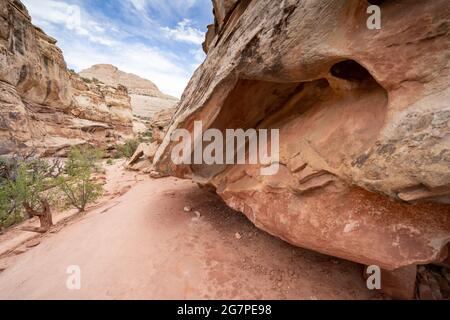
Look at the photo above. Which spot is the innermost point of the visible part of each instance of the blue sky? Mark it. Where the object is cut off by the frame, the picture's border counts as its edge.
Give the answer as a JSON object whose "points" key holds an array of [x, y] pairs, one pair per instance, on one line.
{"points": [[156, 39]]}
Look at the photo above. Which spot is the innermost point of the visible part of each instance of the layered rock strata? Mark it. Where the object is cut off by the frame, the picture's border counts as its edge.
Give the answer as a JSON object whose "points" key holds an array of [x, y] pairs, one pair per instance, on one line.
{"points": [[146, 99], [363, 117], [44, 107]]}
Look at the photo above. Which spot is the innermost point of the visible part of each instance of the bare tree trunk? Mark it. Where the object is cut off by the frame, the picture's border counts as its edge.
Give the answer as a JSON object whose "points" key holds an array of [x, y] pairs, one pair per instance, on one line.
{"points": [[45, 216]]}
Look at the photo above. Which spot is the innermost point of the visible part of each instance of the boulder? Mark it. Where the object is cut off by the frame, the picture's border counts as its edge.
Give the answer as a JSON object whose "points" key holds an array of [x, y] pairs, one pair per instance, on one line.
{"points": [[142, 158], [363, 124]]}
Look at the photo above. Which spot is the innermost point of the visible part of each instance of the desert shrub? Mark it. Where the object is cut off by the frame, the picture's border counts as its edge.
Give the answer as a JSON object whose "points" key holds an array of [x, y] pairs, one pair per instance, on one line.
{"points": [[25, 190], [127, 149], [9, 215], [86, 80], [109, 162], [29, 187], [145, 137], [76, 182]]}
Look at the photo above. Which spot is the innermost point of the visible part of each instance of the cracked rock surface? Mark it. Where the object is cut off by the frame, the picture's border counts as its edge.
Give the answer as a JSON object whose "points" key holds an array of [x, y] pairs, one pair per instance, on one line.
{"points": [[363, 118]]}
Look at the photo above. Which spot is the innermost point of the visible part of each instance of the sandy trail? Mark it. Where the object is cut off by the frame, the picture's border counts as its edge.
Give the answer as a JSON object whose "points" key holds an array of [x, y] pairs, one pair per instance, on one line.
{"points": [[143, 245]]}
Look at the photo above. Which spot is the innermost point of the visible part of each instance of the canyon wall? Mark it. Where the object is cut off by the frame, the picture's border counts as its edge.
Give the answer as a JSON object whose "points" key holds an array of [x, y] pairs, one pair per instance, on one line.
{"points": [[45, 107], [363, 117], [146, 99]]}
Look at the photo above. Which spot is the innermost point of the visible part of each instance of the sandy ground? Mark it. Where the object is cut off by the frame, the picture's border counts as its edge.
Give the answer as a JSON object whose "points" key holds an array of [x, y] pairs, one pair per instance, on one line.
{"points": [[139, 243]]}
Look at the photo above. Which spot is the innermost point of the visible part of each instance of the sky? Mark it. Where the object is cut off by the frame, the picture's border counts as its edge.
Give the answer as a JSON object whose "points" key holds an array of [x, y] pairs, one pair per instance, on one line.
{"points": [[160, 40]]}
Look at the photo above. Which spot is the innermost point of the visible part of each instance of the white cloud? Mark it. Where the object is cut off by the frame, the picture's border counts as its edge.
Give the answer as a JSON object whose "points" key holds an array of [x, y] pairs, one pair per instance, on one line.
{"points": [[144, 61], [139, 4], [198, 54], [90, 37], [45, 12], [164, 6], [184, 32]]}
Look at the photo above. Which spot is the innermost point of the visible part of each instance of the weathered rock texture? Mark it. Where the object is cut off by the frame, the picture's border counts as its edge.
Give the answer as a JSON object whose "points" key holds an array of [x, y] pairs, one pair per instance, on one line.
{"points": [[152, 109], [44, 106], [222, 10], [160, 122], [146, 98], [142, 159], [363, 118]]}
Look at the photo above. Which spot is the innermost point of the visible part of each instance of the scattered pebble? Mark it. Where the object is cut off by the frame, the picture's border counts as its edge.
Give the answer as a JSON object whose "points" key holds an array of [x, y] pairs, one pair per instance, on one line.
{"points": [[155, 175], [238, 235], [197, 216], [187, 209]]}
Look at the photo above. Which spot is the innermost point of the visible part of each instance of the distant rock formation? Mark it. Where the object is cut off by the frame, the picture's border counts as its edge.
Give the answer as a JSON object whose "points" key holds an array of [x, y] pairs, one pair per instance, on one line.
{"points": [[44, 106], [363, 118], [146, 98], [111, 75]]}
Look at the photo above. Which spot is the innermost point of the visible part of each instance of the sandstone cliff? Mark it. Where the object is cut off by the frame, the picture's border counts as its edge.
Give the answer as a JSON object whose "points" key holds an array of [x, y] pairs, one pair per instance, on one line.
{"points": [[363, 118], [44, 106], [146, 98]]}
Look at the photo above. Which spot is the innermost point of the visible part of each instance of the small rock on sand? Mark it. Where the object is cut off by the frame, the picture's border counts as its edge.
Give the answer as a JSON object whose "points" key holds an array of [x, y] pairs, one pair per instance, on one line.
{"points": [[156, 175], [187, 209], [238, 235]]}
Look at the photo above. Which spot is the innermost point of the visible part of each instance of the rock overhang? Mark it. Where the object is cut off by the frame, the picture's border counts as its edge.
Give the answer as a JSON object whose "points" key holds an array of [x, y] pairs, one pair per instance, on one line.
{"points": [[360, 112]]}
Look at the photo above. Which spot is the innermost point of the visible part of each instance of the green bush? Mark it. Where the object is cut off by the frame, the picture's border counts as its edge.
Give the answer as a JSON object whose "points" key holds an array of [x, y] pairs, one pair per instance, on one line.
{"points": [[76, 183], [9, 215], [25, 184], [127, 149], [86, 80], [148, 135], [30, 187]]}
